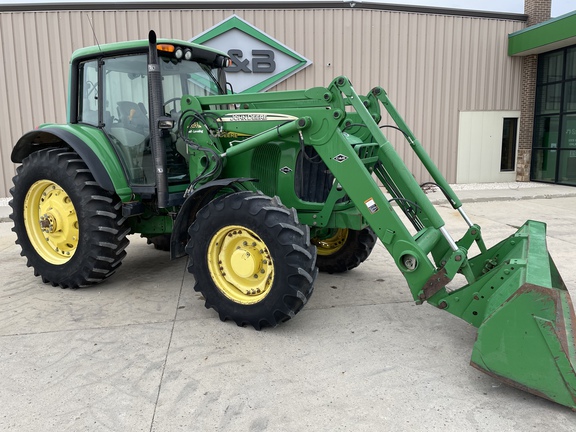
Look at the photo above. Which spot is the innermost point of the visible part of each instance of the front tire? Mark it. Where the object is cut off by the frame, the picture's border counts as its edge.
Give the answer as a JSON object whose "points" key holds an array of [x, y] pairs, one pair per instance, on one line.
{"points": [[70, 230], [251, 259]]}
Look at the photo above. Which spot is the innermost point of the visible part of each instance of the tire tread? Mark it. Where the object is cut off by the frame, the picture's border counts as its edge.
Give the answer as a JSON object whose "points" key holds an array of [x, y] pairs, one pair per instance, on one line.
{"points": [[103, 237], [294, 252]]}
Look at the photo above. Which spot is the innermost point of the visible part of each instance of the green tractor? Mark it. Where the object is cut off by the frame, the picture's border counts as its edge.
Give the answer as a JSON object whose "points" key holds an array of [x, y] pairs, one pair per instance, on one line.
{"points": [[260, 191]]}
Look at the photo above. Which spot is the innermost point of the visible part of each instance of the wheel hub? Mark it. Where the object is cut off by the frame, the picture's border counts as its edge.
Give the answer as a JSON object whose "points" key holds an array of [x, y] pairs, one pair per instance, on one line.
{"points": [[240, 264], [243, 263], [332, 242], [48, 223]]}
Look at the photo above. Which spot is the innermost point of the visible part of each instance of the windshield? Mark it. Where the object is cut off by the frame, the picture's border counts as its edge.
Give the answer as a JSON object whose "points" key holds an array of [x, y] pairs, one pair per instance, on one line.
{"points": [[124, 93], [187, 78]]}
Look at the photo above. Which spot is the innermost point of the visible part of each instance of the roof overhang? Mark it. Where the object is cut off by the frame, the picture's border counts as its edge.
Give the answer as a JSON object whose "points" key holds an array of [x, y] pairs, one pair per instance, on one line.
{"points": [[547, 36], [48, 5]]}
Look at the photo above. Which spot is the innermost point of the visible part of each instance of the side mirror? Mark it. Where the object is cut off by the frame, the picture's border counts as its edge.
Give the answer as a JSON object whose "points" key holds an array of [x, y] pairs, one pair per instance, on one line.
{"points": [[165, 123]]}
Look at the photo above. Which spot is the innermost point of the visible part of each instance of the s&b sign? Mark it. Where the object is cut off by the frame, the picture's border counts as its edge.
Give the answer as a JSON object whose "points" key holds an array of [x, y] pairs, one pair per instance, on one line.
{"points": [[260, 61]]}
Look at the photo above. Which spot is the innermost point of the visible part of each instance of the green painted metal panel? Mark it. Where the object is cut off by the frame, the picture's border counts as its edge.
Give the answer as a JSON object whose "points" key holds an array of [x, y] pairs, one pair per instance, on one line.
{"points": [[96, 140], [559, 31]]}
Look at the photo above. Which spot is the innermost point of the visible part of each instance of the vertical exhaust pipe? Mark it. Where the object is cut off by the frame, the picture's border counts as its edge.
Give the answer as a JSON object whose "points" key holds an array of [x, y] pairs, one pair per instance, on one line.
{"points": [[156, 141]]}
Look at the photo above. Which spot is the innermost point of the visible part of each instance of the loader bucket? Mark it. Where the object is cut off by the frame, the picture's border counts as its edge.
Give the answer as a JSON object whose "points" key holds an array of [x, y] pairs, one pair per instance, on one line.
{"points": [[527, 335]]}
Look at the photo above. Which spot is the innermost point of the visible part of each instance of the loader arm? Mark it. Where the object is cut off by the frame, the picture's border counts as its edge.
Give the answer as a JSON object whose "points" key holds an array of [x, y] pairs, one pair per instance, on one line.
{"points": [[514, 294]]}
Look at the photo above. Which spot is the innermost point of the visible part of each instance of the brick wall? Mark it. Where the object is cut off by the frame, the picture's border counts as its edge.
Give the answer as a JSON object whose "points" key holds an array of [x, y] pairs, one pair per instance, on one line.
{"points": [[537, 11]]}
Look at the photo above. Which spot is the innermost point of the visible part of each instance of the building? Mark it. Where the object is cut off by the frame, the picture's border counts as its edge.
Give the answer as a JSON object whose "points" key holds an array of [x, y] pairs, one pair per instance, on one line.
{"points": [[547, 144], [448, 71]]}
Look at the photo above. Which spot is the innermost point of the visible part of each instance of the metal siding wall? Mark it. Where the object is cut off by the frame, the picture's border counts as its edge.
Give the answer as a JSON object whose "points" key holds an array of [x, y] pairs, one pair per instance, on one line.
{"points": [[432, 66]]}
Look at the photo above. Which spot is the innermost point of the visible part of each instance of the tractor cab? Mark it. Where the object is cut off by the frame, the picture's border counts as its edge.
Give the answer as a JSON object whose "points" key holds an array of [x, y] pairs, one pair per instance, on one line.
{"points": [[113, 94]]}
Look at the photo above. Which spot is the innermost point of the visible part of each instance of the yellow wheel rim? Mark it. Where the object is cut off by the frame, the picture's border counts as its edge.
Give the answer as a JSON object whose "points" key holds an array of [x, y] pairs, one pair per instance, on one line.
{"points": [[51, 222], [240, 265], [331, 245]]}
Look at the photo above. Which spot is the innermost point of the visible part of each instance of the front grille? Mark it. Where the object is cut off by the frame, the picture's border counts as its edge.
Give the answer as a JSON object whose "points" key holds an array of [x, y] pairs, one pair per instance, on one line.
{"points": [[312, 180], [265, 168]]}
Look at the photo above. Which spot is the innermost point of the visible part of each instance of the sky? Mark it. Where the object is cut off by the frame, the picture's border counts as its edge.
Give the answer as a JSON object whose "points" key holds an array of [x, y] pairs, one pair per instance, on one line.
{"points": [[559, 7]]}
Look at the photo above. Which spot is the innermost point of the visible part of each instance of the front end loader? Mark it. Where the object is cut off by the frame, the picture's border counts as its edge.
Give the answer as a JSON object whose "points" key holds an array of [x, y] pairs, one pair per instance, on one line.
{"points": [[260, 191]]}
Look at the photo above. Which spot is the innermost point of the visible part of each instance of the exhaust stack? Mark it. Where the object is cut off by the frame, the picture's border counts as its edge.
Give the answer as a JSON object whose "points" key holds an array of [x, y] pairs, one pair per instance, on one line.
{"points": [[156, 111]]}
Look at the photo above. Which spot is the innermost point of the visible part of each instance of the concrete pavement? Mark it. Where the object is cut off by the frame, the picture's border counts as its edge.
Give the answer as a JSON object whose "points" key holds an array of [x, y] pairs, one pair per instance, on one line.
{"points": [[141, 353]]}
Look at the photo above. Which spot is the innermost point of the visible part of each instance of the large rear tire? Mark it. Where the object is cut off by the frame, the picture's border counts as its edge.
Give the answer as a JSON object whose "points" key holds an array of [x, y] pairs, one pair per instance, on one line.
{"points": [[251, 259], [70, 229], [344, 249]]}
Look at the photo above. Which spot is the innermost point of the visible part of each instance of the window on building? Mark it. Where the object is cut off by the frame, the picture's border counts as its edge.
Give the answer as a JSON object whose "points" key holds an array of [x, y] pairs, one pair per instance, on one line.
{"points": [[554, 140], [509, 135]]}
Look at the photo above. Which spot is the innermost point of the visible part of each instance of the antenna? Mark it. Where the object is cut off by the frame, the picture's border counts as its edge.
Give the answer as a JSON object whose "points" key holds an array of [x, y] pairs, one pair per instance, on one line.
{"points": [[93, 32]]}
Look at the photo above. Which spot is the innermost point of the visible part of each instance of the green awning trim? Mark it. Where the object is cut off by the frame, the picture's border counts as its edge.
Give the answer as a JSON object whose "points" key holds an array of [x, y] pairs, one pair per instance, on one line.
{"points": [[547, 36]]}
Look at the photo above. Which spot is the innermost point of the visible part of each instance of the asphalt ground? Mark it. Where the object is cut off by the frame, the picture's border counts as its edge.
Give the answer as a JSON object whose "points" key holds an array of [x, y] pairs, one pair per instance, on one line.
{"points": [[141, 353]]}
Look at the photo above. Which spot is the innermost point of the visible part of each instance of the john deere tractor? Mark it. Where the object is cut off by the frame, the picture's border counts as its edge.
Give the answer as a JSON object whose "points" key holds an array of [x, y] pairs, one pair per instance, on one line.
{"points": [[260, 191]]}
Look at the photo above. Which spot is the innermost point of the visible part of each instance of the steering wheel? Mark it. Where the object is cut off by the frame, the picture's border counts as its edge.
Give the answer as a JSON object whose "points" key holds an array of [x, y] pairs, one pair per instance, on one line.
{"points": [[172, 100]]}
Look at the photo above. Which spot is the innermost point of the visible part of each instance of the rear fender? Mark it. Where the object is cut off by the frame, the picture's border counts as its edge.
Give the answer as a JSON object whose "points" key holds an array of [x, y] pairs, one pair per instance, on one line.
{"points": [[187, 214], [50, 137]]}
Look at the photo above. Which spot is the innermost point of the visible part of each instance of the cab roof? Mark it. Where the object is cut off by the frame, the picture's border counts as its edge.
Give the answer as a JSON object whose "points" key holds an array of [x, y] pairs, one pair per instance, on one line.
{"points": [[138, 46]]}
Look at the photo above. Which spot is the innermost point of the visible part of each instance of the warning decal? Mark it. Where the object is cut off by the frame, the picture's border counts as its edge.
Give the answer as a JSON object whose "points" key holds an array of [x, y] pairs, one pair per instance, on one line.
{"points": [[371, 205]]}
